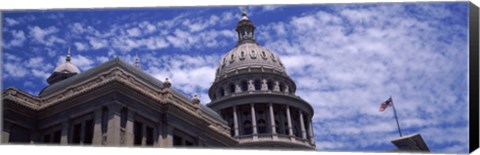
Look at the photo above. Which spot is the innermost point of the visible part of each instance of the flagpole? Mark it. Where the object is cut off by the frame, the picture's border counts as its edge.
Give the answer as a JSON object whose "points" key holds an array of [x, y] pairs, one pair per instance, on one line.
{"points": [[396, 118]]}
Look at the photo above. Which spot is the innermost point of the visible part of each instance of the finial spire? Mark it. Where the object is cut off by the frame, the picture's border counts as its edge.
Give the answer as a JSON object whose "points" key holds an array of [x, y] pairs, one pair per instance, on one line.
{"points": [[136, 60], [68, 55], [244, 12]]}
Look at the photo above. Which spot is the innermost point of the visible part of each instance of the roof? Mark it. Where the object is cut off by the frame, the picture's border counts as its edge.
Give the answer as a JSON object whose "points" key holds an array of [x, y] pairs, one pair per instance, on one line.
{"points": [[152, 81]]}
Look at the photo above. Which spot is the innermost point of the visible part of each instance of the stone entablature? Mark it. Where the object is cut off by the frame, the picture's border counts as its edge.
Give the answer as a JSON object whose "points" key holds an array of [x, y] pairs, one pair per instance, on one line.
{"points": [[163, 96]]}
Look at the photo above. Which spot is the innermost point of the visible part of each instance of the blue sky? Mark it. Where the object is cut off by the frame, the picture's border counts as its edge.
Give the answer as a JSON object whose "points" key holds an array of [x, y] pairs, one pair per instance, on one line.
{"points": [[345, 59]]}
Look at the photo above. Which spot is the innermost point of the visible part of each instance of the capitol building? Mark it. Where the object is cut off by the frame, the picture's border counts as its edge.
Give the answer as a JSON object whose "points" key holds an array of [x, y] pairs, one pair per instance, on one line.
{"points": [[253, 105]]}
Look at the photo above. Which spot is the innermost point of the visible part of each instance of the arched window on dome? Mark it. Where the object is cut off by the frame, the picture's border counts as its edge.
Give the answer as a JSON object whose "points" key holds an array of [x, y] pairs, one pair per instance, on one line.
{"points": [[257, 84], [264, 55], [232, 88], [262, 127], [221, 92], [247, 127], [244, 84], [232, 58], [253, 54], [242, 55], [270, 85], [282, 87], [273, 58]]}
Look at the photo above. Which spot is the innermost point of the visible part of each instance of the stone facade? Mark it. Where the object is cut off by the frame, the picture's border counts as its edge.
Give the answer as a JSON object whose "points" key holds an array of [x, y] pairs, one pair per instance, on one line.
{"points": [[112, 105]]}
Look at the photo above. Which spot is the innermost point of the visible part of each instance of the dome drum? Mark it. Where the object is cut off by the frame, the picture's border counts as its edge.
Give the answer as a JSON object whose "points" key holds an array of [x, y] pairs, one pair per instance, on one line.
{"points": [[248, 83]]}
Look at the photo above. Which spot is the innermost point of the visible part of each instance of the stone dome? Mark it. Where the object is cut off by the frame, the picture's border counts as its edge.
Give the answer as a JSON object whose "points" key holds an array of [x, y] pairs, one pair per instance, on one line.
{"points": [[67, 67], [248, 55]]}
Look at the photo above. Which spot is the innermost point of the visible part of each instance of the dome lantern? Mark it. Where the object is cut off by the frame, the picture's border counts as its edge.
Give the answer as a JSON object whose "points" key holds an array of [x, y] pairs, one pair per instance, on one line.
{"points": [[245, 29]]}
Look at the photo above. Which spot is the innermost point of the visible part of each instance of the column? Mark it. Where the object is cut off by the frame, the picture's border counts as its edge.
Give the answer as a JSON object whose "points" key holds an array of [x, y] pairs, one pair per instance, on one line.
{"points": [[113, 129], [289, 121], [129, 137], [97, 127], [272, 119], [310, 131], [160, 133], [5, 137], [302, 125], [254, 119], [64, 138], [235, 120], [169, 136]]}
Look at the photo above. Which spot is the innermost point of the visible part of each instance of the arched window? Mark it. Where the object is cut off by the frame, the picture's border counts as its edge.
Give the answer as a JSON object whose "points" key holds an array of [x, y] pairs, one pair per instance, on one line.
{"points": [[244, 85], [232, 88], [253, 54], [247, 127], [232, 58], [242, 55], [222, 92], [269, 85], [262, 127], [257, 84], [264, 55], [282, 87]]}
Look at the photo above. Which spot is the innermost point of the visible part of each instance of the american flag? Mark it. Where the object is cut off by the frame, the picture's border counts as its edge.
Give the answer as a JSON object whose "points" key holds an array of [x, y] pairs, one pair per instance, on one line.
{"points": [[386, 104]]}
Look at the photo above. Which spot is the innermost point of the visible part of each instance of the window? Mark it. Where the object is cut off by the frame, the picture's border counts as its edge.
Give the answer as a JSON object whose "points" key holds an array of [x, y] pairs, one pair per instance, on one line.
{"points": [[247, 127], [76, 133], [232, 88], [282, 87], [137, 133], [242, 55], [149, 135], [262, 128], [88, 132], [264, 56], [258, 84], [232, 58], [244, 85], [253, 54], [177, 141], [270, 85], [222, 92]]}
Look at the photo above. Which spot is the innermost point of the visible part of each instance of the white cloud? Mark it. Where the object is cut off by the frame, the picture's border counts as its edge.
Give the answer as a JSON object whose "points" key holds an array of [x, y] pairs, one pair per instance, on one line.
{"points": [[45, 36], [134, 32], [11, 22], [182, 69], [97, 43], [80, 46], [18, 38], [14, 70]]}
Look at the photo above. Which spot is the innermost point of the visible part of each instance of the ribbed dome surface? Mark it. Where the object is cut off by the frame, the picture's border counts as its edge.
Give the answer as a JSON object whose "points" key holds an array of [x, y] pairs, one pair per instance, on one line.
{"points": [[67, 67], [249, 55]]}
